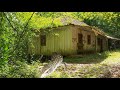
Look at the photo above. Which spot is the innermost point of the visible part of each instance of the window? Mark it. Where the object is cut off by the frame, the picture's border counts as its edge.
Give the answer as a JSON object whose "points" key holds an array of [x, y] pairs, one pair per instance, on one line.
{"points": [[98, 41], [43, 40], [89, 39], [80, 38]]}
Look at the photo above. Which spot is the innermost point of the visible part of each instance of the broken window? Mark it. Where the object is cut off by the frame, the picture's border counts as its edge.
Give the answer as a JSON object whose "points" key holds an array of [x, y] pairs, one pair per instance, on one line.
{"points": [[89, 39], [43, 40]]}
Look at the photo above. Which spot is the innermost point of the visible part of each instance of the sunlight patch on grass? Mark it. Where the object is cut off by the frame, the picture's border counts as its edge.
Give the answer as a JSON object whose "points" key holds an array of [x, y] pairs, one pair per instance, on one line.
{"points": [[90, 66], [114, 58], [103, 58], [94, 65]]}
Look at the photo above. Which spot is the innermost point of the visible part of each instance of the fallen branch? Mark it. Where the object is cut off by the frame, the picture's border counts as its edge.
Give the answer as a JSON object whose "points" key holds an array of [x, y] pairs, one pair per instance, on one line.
{"points": [[56, 61]]}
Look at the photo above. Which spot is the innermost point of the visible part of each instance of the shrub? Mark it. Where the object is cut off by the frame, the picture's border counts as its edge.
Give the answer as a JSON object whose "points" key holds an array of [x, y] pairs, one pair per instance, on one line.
{"points": [[20, 70]]}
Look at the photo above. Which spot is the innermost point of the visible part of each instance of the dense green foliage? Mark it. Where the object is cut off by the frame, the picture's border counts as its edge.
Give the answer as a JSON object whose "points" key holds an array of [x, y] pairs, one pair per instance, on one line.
{"points": [[109, 22], [21, 69], [14, 37], [16, 31]]}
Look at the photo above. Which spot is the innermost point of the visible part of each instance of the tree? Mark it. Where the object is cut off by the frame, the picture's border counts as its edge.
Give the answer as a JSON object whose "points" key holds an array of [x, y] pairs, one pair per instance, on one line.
{"points": [[16, 28], [109, 22]]}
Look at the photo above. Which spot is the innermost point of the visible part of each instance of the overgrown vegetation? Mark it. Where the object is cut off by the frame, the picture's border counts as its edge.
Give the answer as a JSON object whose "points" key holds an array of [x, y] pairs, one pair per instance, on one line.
{"points": [[107, 21], [18, 28], [88, 58], [21, 69], [87, 67]]}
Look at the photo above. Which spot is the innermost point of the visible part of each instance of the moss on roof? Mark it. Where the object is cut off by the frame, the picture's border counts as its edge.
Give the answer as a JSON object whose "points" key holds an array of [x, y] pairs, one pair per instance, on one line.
{"points": [[44, 23], [47, 23], [68, 20]]}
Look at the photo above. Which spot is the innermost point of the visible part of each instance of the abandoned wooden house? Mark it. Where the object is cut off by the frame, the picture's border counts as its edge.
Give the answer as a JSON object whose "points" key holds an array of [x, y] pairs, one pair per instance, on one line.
{"points": [[72, 38]]}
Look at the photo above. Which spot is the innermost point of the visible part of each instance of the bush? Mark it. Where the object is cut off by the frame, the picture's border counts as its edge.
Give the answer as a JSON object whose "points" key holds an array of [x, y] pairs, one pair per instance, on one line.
{"points": [[20, 70]]}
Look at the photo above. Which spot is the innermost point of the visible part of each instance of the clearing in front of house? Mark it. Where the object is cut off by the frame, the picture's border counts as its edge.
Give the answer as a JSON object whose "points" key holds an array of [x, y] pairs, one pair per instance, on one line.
{"points": [[100, 65]]}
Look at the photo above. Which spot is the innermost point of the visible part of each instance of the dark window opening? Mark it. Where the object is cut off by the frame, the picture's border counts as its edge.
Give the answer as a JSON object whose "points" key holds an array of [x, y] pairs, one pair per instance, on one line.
{"points": [[89, 39], [98, 41], [43, 40], [80, 38]]}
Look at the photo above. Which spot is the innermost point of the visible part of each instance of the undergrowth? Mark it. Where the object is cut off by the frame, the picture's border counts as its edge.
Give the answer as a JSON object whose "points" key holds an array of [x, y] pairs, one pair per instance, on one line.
{"points": [[20, 69], [100, 65]]}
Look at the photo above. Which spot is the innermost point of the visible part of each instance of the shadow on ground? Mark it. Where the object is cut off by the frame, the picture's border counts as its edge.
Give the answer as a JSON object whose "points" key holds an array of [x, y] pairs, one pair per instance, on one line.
{"points": [[87, 59]]}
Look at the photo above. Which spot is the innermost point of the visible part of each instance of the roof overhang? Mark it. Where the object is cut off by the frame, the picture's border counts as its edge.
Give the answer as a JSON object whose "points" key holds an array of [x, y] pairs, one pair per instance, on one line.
{"points": [[109, 37]]}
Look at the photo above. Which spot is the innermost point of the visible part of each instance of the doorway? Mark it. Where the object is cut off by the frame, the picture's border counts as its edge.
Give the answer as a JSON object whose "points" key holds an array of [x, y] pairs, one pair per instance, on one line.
{"points": [[80, 42], [101, 45]]}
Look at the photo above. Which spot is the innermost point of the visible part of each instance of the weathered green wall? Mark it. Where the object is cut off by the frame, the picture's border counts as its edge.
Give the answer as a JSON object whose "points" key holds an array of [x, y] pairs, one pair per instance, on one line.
{"points": [[60, 40]]}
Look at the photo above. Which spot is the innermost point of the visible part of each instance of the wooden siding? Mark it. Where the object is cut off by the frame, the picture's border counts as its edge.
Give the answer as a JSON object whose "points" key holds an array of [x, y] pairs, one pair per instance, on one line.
{"points": [[58, 41]]}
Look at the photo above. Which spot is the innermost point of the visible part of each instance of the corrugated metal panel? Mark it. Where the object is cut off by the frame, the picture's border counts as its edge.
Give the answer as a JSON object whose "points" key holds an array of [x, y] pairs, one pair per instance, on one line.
{"points": [[61, 42]]}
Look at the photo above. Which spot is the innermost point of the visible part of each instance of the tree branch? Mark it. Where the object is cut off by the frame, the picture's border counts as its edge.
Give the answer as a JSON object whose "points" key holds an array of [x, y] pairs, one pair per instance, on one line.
{"points": [[26, 25], [22, 34], [9, 21]]}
